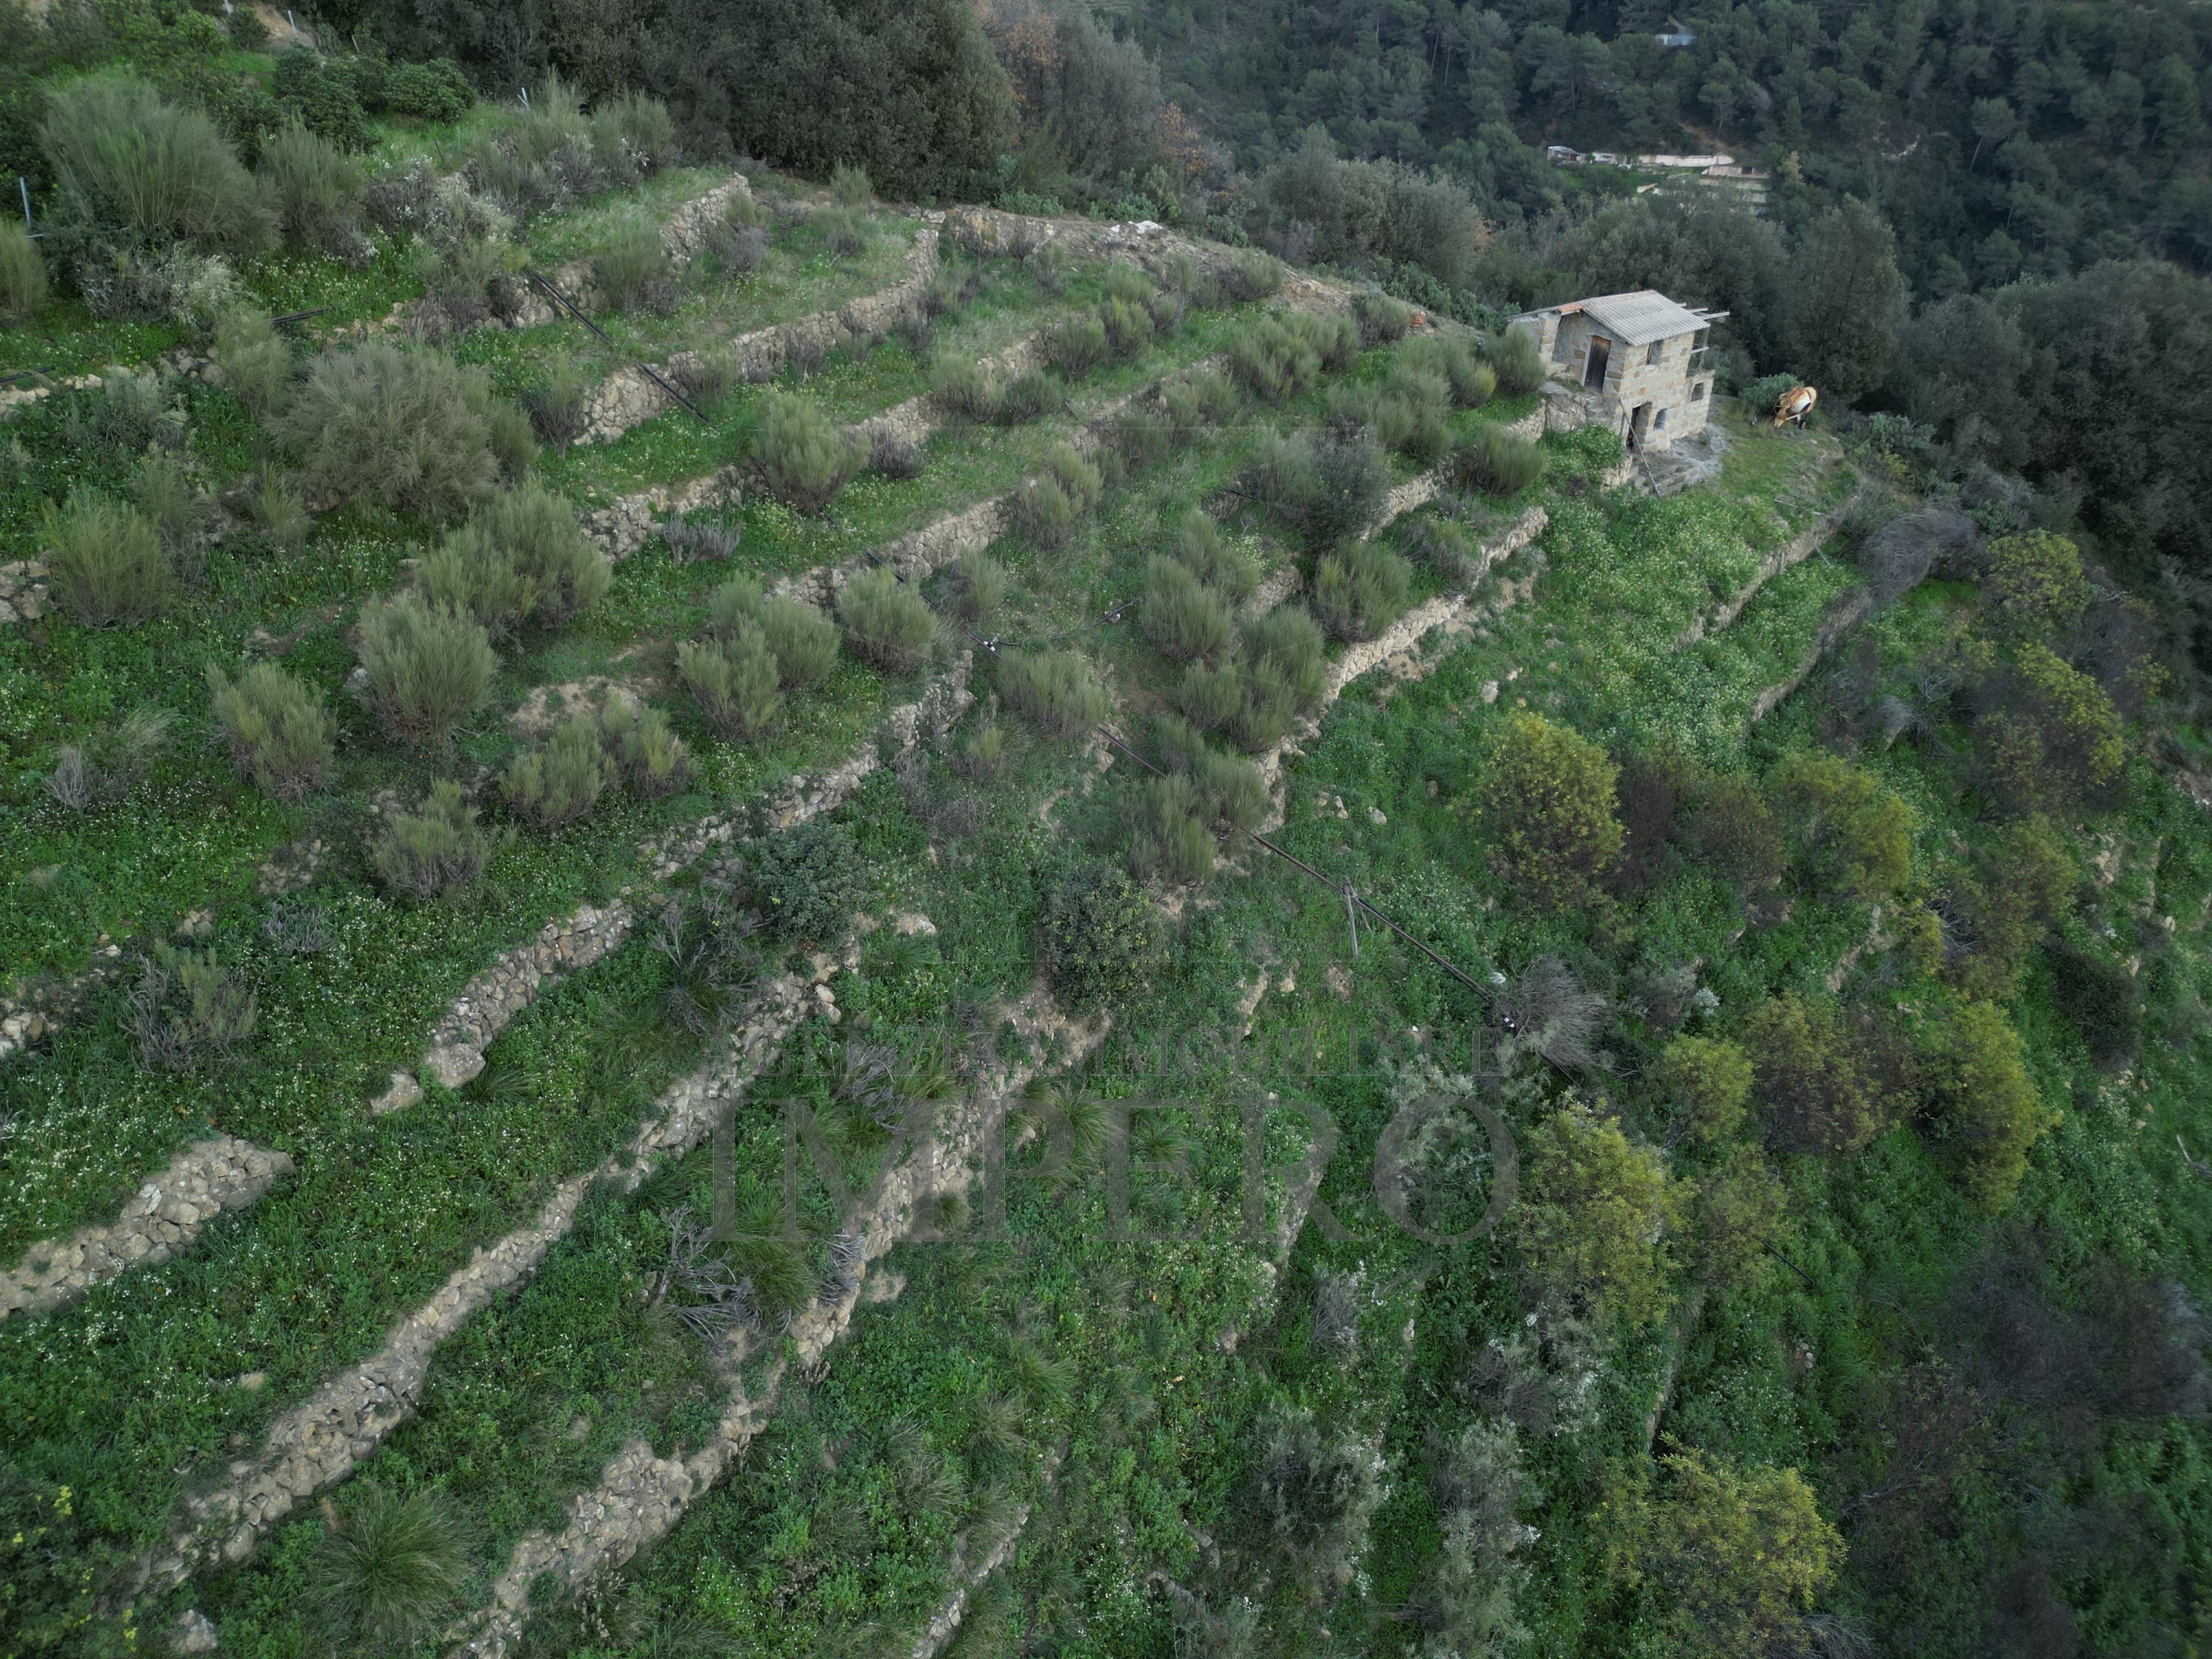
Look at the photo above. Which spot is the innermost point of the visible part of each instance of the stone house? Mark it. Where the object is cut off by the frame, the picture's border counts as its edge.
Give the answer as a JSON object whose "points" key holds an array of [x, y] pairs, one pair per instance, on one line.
{"points": [[1638, 364]]}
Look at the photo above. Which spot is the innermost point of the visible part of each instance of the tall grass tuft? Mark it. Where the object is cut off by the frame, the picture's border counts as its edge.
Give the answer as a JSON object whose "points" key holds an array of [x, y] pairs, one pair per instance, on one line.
{"points": [[427, 667], [887, 621], [631, 272], [1064, 488], [278, 731], [23, 275], [393, 1566], [126, 160], [408, 430], [850, 186], [1361, 591], [107, 561], [643, 748]]}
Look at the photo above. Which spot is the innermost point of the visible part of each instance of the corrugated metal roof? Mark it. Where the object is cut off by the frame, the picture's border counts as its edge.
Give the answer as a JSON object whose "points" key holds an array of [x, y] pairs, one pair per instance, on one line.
{"points": [[1642, 317]]}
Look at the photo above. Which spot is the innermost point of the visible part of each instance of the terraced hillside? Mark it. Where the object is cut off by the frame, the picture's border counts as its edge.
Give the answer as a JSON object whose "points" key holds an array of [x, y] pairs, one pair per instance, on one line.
{"points": [[1051, 731]]}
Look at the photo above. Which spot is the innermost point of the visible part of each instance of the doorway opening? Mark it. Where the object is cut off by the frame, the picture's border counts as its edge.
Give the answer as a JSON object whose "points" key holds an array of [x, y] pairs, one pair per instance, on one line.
{"points": [[1593, 376]]}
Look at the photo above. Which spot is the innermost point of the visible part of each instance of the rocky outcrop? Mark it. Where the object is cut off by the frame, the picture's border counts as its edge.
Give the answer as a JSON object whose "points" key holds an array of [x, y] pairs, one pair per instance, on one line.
{"points": [[164, 1219]]}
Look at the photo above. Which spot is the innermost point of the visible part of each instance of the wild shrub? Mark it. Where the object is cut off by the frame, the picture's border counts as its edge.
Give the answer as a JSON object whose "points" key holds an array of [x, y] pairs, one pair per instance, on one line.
{"points": [[808, 882], [738, 244], [1327, 487], [954, 283], [124, 160], [801, 638], [1170, 839], [435, 850], [1287, 641], [1267, 707], [1593, 1213], [1272, 363], [1735, 832], [1853, 836], [690, 542], [887, 621], [1181, 617], [558, 406], [1314, 1498], [317, 188], [2010, 906], [1128, 328], [734, 682], [278, 730], [1741, 1553], [1446, 546], [1360, 592], [1704, 1084], [466, 281], [1815, 1079], [106, 561], [631, 272], [391, 1567], [1210, 697], [2099, 998], [273, 505], [562, 778], [736, 601], [1333, 338], [1382, 320], [1099, 937], [253, 359], [892, 455], [1515, 359], [1737, 1213], [1547, 809], [1065, 488], [2050, 737], [521, 558], [2035, 589], [1499, 461], [1198, 401], [412, 430], [843, 233], [1472, 380], [1058, 691], [1029, 396], [110, 762], [850, 186], [643, 748], [428, 668], [23, 275], [186, 1007], [175, 506], [1988, 1112], [642, 126], [963, 387], [802, 457], [1763, 395], [982, 587], [1076, 346], [1250, 277], [1423, 403], [1202, 549], [1142, 436]]}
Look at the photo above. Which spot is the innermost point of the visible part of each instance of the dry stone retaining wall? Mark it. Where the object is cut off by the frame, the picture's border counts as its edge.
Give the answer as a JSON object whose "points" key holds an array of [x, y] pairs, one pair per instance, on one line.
{"points": [[640, 1497], [629, 396], [164, 1219]]}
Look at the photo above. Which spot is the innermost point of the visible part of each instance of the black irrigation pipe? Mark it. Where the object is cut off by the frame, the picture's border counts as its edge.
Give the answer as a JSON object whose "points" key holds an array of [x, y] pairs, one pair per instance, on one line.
{"points": [[1353, 900], [651, 372], [26, 374], [302, 317]]}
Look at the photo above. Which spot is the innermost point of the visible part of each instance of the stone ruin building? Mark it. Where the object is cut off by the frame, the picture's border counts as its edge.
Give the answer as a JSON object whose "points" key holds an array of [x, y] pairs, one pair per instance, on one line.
{"points": [[1638, 364]]}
